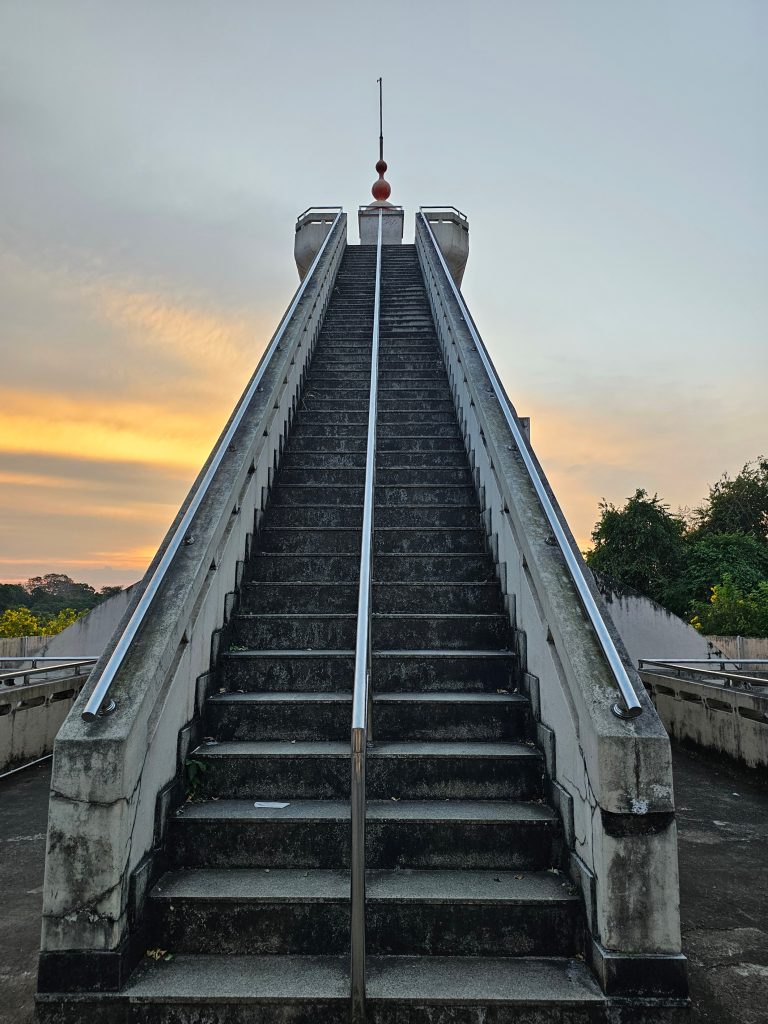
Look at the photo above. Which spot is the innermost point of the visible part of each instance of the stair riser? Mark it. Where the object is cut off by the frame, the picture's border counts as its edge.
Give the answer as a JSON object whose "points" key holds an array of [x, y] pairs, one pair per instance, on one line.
{"points": [[418, 929], [424, 443], [330, 443], [351, 516], [181, 1009], [318, 568], [299, 598], [312, 674], [437, 476], [303, 539], [397, 540], [309, 516], [438, 568], [317, 720], [265, 929], [308, 598], [394, 929], [452, 598], [414, 495], [318, 674], [401, 633], [410, 777], [399, 843]]}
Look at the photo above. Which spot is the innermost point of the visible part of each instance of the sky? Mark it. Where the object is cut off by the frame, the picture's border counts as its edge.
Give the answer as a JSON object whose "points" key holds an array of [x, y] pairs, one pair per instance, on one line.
{"points": [[610, 156]]}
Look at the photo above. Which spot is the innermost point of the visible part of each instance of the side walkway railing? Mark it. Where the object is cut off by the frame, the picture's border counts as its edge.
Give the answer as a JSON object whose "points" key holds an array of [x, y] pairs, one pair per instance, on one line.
{"points": [[607, 755], [362, 698], [116, 775]]}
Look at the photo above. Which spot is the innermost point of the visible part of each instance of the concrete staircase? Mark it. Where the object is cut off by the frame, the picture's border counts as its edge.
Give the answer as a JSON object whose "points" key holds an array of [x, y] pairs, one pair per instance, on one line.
{"points": [[469, 917]]}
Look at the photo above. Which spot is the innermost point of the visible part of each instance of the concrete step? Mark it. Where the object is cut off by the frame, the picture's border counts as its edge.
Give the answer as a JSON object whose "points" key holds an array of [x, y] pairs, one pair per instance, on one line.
{"points": [[274, 567], [402, 671], [263, 912], [219, 989], [419, 540], [310, 597], [307, 539], [396, 770], [451, 834], [389, 631], [412, 912], [313, 516], [397, 716], [437, 568]]}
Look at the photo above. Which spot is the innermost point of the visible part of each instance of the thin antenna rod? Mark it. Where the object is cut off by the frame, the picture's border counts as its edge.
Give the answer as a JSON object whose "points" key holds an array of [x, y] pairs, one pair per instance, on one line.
{"points": [[381, 123]]}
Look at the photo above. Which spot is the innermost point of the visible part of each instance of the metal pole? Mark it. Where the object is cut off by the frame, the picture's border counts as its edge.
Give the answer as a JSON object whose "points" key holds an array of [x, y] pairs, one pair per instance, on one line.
{"points": [[361, 698]]}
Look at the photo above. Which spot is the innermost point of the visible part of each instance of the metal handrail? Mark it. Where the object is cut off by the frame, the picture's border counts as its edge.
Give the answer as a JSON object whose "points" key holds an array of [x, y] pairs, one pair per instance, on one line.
{"points": [[362, 695], [706, 661], [7, 677], [97, 703], [728, 678], [632, 706], [436, 209]]}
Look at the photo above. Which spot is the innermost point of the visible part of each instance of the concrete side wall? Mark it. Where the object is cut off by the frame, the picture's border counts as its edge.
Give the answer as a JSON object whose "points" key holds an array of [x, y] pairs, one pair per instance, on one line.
{"points": [[732, 722], [741, 646], [30, 717], [611, 778], [21, 646], [113, 777], [91, 634], [647, 629]]}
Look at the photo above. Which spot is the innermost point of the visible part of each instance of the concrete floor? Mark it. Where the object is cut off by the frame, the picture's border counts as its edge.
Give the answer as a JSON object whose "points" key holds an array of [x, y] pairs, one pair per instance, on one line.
{"points": [[723, 835]]}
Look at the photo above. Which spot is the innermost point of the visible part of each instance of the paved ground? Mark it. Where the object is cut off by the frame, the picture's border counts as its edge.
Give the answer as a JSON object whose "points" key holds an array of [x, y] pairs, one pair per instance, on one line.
{"points": [[23, 819], [723, 835], [722, 818]]}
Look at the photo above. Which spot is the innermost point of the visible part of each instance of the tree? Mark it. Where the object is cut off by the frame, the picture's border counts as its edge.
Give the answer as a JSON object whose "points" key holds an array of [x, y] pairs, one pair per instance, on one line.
{"points": [[11, 595], [708, 558], [640, 545], [107, 592], [50, 593], [731, 611], [738, 505], [19, 622]]}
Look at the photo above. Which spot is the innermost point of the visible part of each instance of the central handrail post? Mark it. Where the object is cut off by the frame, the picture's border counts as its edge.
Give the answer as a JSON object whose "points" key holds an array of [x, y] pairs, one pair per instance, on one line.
{"points": [[362, 696]]}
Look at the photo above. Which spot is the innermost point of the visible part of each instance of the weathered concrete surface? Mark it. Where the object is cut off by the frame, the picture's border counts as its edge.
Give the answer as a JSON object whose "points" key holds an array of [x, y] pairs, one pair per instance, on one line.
{"points": [[23, 818], [733, 722], [30, 717], [722, 839], [722, 818], [646, 628]]}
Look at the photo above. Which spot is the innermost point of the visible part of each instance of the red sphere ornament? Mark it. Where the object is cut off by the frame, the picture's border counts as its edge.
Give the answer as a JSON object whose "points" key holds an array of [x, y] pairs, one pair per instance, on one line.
{"points": [[381, 166], [381, 189]]}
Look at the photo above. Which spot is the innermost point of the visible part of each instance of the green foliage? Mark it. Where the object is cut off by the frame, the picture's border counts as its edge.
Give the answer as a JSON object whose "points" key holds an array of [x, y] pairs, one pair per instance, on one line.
{"points": [[45, 605], [738, 505], [19, 622], [23, 622], [732, 611], [722, 551], [640, 545]]}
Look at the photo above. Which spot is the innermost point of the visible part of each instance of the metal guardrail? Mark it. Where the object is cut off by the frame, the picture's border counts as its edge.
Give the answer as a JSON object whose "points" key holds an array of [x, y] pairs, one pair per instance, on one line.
{"points": [[712, 676], [631, 705], [9, 677], [362, 717], [100, 703]]}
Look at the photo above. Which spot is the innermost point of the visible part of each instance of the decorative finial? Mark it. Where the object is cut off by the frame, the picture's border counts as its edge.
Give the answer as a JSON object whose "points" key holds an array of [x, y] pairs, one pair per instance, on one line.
{"points": [[381, 189]]}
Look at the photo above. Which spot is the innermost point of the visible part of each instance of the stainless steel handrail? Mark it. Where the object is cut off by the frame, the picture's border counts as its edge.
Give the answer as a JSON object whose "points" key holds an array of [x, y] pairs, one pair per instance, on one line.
{"points": [[632, 706], [7, 677], [730, 679], [362, 718], [97, 703]]}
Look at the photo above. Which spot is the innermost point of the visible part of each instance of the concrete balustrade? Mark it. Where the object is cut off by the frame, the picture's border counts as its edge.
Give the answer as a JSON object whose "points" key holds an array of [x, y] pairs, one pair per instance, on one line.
{"points": [[114, 779], [611, 779]]}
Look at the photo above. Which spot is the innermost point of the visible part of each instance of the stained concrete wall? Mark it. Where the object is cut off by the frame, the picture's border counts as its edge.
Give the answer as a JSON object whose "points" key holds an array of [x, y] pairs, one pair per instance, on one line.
{"points": [[741, 646], [732, 722], [647, 629], [30, 717]]}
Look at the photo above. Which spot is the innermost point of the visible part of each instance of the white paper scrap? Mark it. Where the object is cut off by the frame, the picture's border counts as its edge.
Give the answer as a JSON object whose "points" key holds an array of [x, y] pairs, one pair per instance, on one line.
{"points": [[269, 803]]}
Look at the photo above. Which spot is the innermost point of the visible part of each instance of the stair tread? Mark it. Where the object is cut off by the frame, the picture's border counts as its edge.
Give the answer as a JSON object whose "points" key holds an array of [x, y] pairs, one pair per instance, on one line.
{"points": [[345, 697], [206, 978], [209, 978], [412, 885], [451, 749], [494, 811]]}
